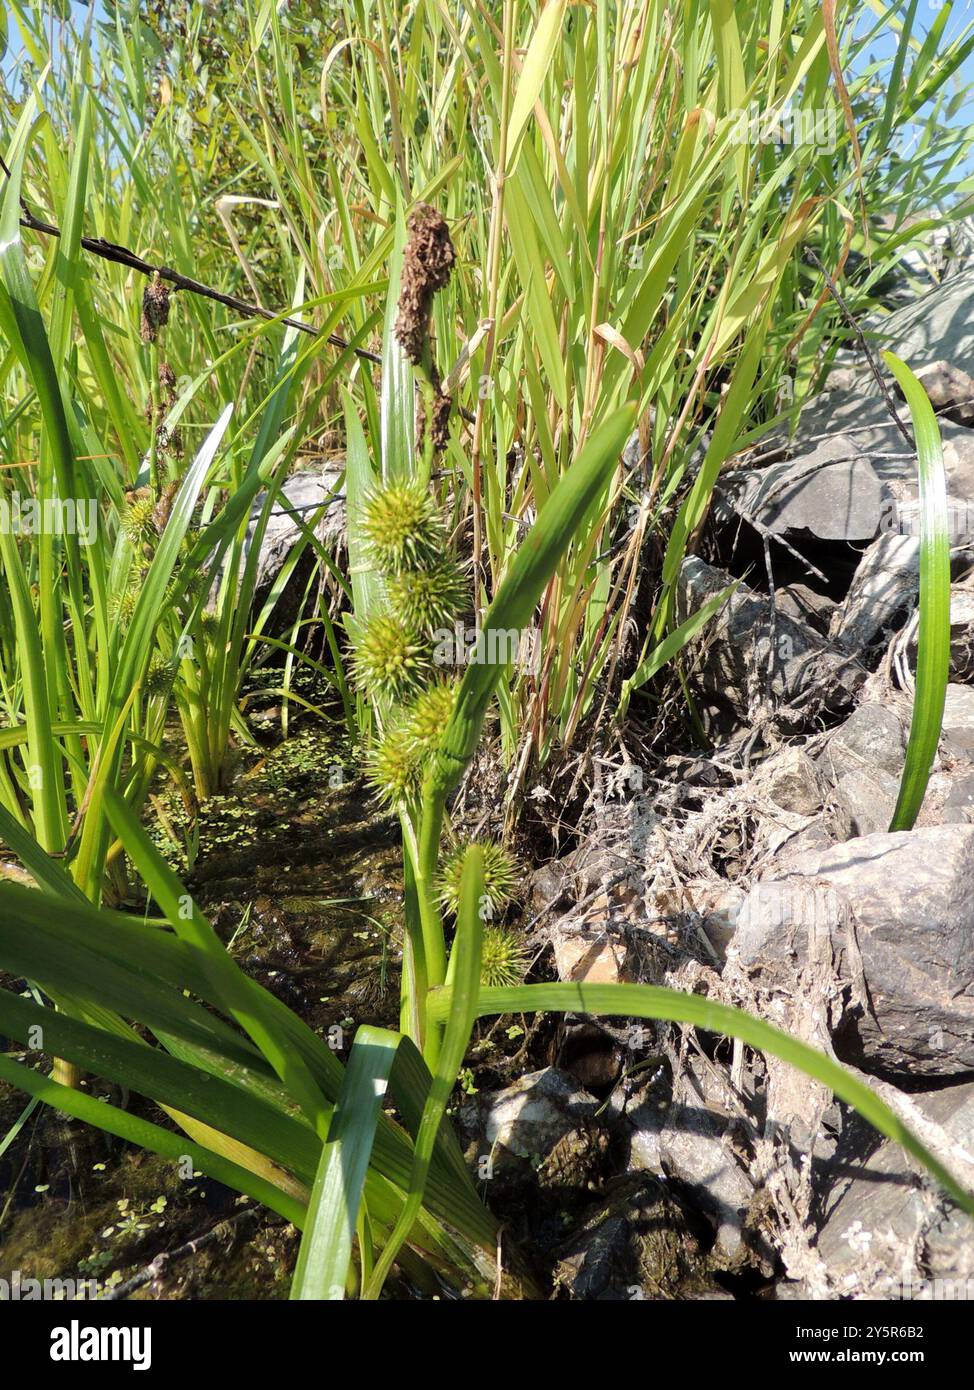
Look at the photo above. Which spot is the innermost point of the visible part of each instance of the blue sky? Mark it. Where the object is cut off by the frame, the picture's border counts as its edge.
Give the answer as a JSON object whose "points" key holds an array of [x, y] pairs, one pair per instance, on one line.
{"points": [[961, 14]]}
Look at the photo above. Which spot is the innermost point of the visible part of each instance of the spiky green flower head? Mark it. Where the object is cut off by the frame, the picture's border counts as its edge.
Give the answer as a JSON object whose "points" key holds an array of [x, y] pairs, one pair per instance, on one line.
{"points": [[121, 605], [403, 528], [395, 768], [431, 598], [160, 675], [427, 718], [504, 958], [209, 626], [138, 521], [500, 879], [390, 658]]}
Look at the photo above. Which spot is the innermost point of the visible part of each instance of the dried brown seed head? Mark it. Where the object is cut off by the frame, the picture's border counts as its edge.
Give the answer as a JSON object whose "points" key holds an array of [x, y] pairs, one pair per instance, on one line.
{"points": [[167, 380], [155, 309], [427, 264]]}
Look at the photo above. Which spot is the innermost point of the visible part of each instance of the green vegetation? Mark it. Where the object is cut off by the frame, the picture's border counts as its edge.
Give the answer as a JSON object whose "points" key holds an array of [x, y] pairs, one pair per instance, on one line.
{"points": [[549, 226]]}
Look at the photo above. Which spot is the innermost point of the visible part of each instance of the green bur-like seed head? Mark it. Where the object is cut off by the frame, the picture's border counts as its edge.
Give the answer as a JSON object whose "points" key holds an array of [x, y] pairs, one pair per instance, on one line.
{"points": [[398, 762], [426, 721], [504, 959], [402, 528], [160, 675], [390, 658], [395, 767], [429, 599], [138, 521], [121, 605], [500, 878]]}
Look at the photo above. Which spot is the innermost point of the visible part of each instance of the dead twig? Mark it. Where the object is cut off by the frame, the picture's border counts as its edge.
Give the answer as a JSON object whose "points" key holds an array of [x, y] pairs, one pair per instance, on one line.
{"points": [[122, 255]]}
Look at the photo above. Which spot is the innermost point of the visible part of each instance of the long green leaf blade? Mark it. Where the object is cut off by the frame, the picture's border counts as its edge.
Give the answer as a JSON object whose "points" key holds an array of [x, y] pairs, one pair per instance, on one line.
{"points": [[656, 1002], [933, 641]]}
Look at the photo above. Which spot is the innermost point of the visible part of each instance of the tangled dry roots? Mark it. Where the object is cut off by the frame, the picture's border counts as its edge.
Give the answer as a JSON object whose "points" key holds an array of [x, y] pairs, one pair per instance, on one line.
{"points": [[427, 264]]}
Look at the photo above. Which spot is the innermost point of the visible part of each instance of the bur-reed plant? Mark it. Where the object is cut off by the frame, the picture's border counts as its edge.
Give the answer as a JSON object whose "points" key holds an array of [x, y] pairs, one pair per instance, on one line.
{"points": [[271, 1110], [618, 249], [622, 226]]}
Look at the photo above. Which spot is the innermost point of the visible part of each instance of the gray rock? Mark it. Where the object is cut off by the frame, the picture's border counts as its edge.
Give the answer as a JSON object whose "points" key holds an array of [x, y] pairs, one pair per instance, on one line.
{"points": [[887, 1222], [691, 1140], [833, 492], [958, 727], [961, 635], [898, 914], [806, 606], [806, 671], [792, 781], [590, 1267], [863, 803], [529, 1118], [951, 391], [884, 587], [846, 474], [718, 908], [959, 806], [870, 740], [938, 325], [307, 497], [793, 853]]}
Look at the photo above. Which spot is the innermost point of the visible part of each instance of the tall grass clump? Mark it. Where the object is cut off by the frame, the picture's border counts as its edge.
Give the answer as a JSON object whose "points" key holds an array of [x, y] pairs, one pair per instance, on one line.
{"points": [[582, 273]]}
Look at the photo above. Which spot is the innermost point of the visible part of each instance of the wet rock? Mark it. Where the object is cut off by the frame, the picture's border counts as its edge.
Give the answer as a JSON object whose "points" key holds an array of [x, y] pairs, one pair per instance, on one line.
{"points": [[576, 1163], [308, 499], [593, 1266], [529, 1118], [638, 1244], [695, 1138], [805, 671], [890, 1234], [897, 914], [590, 1055]]}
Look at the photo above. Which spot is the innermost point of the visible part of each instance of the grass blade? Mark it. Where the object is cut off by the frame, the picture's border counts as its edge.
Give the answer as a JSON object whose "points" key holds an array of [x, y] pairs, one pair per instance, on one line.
{"points": [[933, 641], [656, 1002], [149, 1136], [464, 975], [334, 1208]]}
